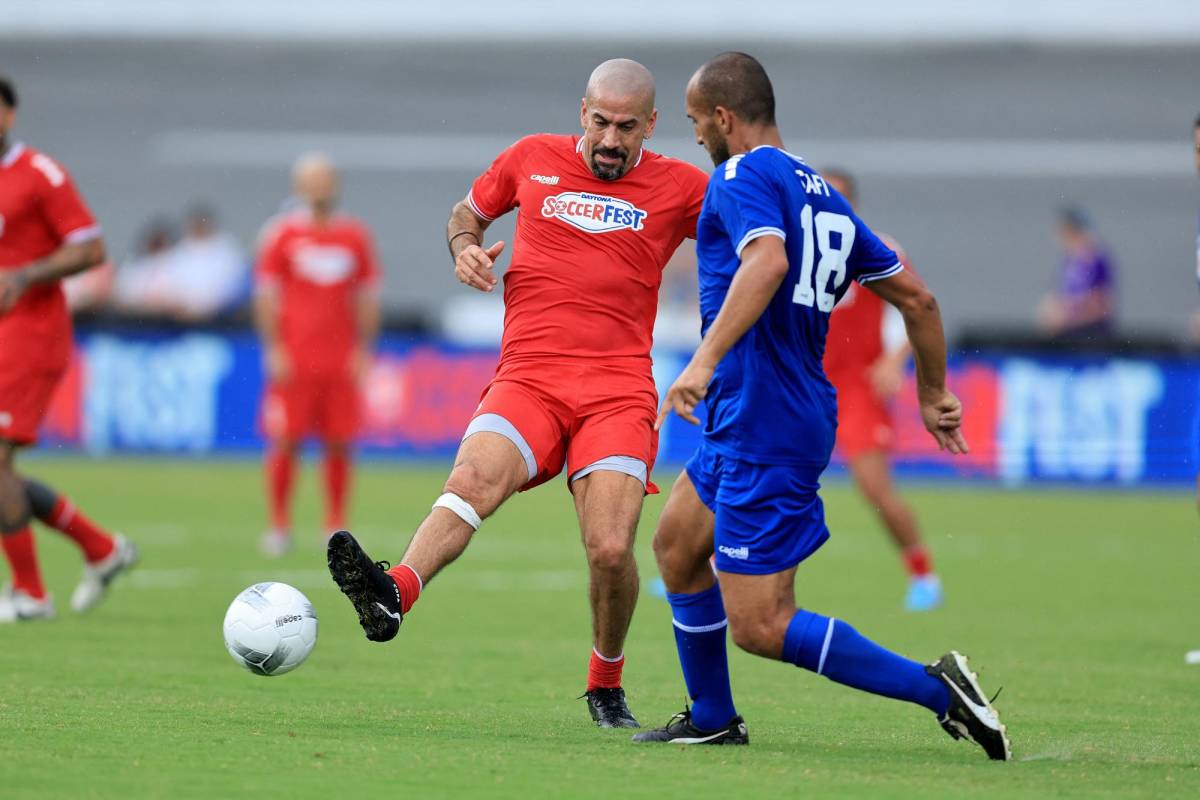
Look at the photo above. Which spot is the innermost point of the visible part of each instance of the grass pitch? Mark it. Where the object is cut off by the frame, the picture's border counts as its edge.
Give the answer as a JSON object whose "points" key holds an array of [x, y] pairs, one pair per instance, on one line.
{"points": [[1080, 604]]}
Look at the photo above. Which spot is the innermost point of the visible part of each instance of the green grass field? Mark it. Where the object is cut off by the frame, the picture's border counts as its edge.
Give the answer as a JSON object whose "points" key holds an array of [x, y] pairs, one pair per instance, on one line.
{"points": [[1080, 604]]}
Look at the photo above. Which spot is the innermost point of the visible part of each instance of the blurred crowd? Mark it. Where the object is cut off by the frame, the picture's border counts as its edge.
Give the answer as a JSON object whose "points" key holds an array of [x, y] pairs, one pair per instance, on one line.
{"points": [[186, 272]]}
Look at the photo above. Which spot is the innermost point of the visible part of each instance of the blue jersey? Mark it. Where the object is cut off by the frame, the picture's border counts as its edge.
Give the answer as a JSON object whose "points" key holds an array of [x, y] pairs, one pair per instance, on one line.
{"points": [[769, 400]]}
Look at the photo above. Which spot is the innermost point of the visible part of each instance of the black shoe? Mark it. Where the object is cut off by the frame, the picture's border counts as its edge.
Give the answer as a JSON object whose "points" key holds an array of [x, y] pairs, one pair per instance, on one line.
{"points": [[375, 596], [970, 715], [680, 730], [609, 710]]}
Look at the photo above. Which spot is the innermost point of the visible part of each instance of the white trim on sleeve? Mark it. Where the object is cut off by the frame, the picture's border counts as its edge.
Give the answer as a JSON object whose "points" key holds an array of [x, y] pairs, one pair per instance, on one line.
{"points": [[84, 234], [757, 233], [877, 276], [475, 207]]}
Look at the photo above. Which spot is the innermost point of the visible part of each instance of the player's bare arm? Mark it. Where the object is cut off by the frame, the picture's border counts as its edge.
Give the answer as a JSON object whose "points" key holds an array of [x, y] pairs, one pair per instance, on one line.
{"points": [[67, 260], [941, 411], [266, 322], [367, 319], [473, 265], [764, 267]]}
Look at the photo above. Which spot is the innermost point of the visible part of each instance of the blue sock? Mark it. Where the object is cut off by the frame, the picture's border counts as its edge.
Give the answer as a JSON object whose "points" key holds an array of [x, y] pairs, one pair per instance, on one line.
{"points": [[700, 627], [834, 649]]}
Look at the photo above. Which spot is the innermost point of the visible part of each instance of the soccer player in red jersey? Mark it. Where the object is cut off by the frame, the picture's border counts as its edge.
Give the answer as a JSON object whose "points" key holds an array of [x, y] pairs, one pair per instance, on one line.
{"points": [[46, 234], [599, 216], [317, 311], [865, 356]]}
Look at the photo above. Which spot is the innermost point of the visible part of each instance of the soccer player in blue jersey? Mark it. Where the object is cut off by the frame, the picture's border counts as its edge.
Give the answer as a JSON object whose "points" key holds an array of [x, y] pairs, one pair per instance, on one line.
{"points": [[777, 248]]}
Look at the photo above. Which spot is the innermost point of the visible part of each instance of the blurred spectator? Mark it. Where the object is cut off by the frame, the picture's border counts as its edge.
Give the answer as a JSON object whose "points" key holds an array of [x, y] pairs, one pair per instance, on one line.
{"points": [[1083, 304], [142, 285], [209, 273]]}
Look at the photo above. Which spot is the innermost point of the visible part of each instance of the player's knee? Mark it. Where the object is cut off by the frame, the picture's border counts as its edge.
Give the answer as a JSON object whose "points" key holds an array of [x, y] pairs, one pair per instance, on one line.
{"points": [[756, 635], [611, 553], [474, 486], [678, 552]]}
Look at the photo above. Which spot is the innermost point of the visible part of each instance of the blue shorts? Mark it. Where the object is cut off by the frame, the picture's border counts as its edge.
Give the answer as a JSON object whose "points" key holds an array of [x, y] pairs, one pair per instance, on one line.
{"points": [[768, 516]]}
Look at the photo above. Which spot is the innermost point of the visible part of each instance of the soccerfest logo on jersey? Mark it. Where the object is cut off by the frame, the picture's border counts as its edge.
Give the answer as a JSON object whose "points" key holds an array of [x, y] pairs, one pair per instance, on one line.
{"points": [[594, 213]]}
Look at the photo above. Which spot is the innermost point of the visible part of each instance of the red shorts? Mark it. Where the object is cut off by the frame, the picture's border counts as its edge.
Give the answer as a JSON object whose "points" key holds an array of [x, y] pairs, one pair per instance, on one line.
{"points": [[25, 395], [864, 421], [326, 406], [597, 415]]}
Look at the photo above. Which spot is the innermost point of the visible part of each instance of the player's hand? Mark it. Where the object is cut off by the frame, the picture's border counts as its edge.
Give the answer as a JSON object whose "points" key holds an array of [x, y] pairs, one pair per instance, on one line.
{"points": [[474, 266], [942, 414], [13, 284], [886, 376], [685, 394], [277, 363]]}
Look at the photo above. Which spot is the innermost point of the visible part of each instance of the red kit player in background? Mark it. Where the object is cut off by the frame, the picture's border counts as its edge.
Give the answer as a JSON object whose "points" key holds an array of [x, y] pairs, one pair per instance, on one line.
{"points": [[317, 311], [865, 357], [46, 234], [598, 219]]}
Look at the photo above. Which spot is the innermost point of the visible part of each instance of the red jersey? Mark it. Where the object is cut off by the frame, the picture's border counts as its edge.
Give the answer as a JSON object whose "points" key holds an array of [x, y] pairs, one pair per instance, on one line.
{"points": [[318, 271], [588, 254], [40, 211], [858, 329]]}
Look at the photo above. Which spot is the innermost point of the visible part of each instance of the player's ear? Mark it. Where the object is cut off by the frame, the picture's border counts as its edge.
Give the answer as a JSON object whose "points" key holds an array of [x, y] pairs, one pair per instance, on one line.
{"points": [[583, 113], [650, 123], [724, 119]]}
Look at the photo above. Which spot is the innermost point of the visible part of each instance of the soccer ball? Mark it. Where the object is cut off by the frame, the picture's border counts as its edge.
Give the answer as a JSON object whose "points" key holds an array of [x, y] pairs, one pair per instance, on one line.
{"points": [[270, 628]]}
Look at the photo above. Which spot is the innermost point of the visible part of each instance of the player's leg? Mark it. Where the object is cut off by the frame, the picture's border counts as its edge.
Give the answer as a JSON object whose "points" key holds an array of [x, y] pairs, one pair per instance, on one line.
{"points": [[338, 424], [285, 421], [25, 597], [611, 453], [512, 442], [872, 474], [105, 555], [683, 543], [336, 467], [279, 467], [487, 471], [609, 504]]}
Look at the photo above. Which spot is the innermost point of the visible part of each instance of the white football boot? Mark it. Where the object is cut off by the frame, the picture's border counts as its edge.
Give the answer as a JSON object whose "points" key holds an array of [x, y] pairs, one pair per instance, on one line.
{"points": [[17, 606], [96, 577]]}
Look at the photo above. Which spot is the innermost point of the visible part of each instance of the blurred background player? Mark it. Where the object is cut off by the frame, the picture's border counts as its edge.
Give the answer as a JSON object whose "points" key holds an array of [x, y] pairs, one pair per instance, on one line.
{"points": [[599, 217], [1083, 305], [46, 234], [866, 353], [317, 311]]}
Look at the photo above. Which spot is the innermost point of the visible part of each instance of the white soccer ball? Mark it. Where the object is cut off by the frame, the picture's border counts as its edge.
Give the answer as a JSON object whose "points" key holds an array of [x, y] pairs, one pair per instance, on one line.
{"points": [[270, 628]]}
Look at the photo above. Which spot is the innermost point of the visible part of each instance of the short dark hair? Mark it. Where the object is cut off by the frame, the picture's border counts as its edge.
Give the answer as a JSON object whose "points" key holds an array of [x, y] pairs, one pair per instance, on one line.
{"points": [[738, 82], [8, 92]]}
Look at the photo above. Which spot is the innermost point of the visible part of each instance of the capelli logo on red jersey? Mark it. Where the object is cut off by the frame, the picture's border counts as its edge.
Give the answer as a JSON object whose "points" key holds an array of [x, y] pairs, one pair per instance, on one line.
{"points": [[594, 213]]}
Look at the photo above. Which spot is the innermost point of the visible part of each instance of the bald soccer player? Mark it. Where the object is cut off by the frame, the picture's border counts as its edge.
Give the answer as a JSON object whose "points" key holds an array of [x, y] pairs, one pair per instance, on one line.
{"points": [[317, 312], [599, 217]]}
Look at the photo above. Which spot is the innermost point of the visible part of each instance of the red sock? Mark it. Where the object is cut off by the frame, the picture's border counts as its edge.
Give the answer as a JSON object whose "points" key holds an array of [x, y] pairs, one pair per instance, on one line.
{"points": [[22, 558], [918, 561], [94, 541], [281, 469], [337, 486], [604, 673], [410, 585]]}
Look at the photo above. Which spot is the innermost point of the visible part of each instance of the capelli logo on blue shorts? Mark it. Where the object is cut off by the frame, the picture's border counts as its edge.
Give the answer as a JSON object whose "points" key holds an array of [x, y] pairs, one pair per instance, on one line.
{"points": [[740, 553]]}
